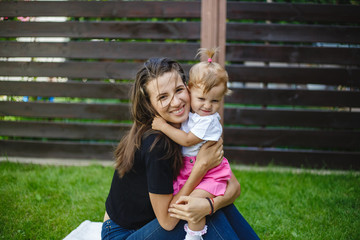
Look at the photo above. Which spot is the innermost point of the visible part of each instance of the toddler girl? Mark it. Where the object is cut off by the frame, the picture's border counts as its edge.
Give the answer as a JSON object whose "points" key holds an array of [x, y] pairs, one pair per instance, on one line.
{"points": [[207, 86]]}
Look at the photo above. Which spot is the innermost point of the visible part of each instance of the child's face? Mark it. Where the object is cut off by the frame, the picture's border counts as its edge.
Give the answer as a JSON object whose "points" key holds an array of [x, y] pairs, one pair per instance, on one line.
{"points": [[208, 103]]}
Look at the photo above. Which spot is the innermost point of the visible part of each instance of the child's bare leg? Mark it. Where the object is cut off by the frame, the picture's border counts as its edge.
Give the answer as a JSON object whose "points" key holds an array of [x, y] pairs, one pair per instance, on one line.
{"points": [[201, 224]]}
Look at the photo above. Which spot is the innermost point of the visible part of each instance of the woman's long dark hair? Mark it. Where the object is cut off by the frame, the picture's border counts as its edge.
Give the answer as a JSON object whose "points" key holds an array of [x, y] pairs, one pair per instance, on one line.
{"points": [[143, 113]]}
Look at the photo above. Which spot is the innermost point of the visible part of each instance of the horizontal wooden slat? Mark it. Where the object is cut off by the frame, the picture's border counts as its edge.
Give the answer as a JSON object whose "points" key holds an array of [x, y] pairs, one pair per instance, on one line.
{"points": [[181, 30], [242, 116], [319, 159], [326, 139], [109, 9], [53, 130], [292, 33], [340, 140], [237, 73], [94, 70], [294, 97], [66, 110], [297, 158], [295, 118], [338, 13], [123, 30], [296, 75], [66, 89], [179, 51], [90, 70], [93, 151], [292, 54], [235, 10], [100, 50]]}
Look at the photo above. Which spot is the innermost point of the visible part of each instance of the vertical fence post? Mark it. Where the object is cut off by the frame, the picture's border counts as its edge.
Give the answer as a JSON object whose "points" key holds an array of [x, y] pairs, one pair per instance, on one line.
{"points": [[213, 31]]}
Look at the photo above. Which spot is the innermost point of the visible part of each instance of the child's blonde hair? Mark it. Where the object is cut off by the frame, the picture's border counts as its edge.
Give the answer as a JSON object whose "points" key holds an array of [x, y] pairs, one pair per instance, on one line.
{"points": [[208, 73]]}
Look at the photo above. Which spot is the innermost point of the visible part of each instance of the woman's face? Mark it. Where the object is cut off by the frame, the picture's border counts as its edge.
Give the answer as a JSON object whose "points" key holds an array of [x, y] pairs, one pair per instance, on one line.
{"points": [[170, 98]]}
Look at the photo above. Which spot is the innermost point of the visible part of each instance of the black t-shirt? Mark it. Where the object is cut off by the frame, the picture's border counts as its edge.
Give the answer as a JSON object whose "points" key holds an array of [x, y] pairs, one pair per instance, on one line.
{"points": [[128, 203]]}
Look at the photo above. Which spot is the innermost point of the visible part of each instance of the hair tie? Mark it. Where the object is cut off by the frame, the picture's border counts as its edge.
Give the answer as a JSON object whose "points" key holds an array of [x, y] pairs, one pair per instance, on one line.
{"points": [[209, 60]]}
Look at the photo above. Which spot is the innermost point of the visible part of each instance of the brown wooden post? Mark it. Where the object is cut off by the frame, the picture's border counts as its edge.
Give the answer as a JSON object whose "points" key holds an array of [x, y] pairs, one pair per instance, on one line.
{"points": [[213, 31]]}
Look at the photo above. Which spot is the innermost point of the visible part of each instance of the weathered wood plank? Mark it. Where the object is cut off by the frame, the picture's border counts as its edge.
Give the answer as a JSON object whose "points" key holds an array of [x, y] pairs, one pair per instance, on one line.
{"points": [[100, 50], [66, 89], [294, 118], [109, 9], [296, 75], [94, 70], [237, 73], [180, 51], [235, 10], [326, 139], [90, 70], [120, 91], [181, 30], [309, 139], [297, 158], [292, 54], [338, 13], [124, 30], [292, 33], [118, 111], [38, 149], [242, 116], [294, 97], [54, 130]]}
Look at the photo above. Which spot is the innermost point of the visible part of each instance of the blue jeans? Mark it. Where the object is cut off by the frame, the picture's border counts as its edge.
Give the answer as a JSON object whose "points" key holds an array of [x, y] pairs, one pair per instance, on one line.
{"points": [[226, 223]]}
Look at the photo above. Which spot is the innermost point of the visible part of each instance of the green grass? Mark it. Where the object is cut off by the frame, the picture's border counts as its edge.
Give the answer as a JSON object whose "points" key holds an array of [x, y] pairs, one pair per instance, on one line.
{"points": [[301, 206], [48, 202]]}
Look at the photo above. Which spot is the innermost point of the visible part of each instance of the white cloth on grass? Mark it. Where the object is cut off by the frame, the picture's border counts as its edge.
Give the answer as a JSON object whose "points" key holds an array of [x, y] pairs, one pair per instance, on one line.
{"points": [[87, 230]]}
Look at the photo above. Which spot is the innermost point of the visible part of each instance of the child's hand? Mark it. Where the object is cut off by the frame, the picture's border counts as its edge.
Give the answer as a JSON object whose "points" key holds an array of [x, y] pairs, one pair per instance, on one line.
{"points": [[157, 123]]}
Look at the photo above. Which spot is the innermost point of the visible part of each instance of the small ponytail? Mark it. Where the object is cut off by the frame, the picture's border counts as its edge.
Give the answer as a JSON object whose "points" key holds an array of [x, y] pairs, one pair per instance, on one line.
{"points": [[207, 72], [207, 53]]}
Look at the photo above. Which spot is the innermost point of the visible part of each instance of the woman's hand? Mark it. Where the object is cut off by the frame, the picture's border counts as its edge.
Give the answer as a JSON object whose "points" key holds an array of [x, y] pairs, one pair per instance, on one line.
{"points": [[191, 209], [210, 155]]}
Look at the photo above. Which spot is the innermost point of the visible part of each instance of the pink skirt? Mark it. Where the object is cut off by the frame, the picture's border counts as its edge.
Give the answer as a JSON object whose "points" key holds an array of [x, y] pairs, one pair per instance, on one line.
{"points": [[214, 181]]}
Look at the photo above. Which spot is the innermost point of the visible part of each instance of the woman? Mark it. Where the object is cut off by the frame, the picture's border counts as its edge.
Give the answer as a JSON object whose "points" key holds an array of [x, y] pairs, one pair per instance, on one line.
{"points": [[141, 204]]}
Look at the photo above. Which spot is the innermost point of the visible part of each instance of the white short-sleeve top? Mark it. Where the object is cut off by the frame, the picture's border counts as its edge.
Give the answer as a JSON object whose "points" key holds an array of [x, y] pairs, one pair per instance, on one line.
{"points": [[207, 128]]}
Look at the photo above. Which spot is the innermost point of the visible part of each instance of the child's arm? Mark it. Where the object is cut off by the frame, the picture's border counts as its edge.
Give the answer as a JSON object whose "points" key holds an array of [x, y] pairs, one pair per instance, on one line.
{"points": [[177, 135]]}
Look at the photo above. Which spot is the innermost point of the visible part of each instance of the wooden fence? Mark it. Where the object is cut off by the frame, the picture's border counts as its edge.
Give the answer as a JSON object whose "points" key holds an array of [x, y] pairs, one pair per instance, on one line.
{"points": [[294, 72]]}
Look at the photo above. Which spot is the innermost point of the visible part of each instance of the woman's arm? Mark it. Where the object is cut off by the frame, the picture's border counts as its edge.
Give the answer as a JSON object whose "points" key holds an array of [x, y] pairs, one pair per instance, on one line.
{"points": [[193, 209], [179, 136], [209, 156]]}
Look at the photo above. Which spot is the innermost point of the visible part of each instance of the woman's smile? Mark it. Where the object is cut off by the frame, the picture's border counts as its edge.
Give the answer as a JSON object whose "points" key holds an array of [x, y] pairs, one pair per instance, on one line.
{"points": [[179, 111]]}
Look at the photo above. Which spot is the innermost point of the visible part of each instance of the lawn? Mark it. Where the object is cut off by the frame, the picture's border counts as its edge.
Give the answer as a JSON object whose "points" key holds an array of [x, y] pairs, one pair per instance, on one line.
{"points": [[48, 202]]}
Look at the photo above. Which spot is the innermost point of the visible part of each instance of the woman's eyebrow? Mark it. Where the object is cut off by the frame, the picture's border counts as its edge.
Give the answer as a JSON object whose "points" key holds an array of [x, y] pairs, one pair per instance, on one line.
{"points": [[161, 94], [180, 85]]}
